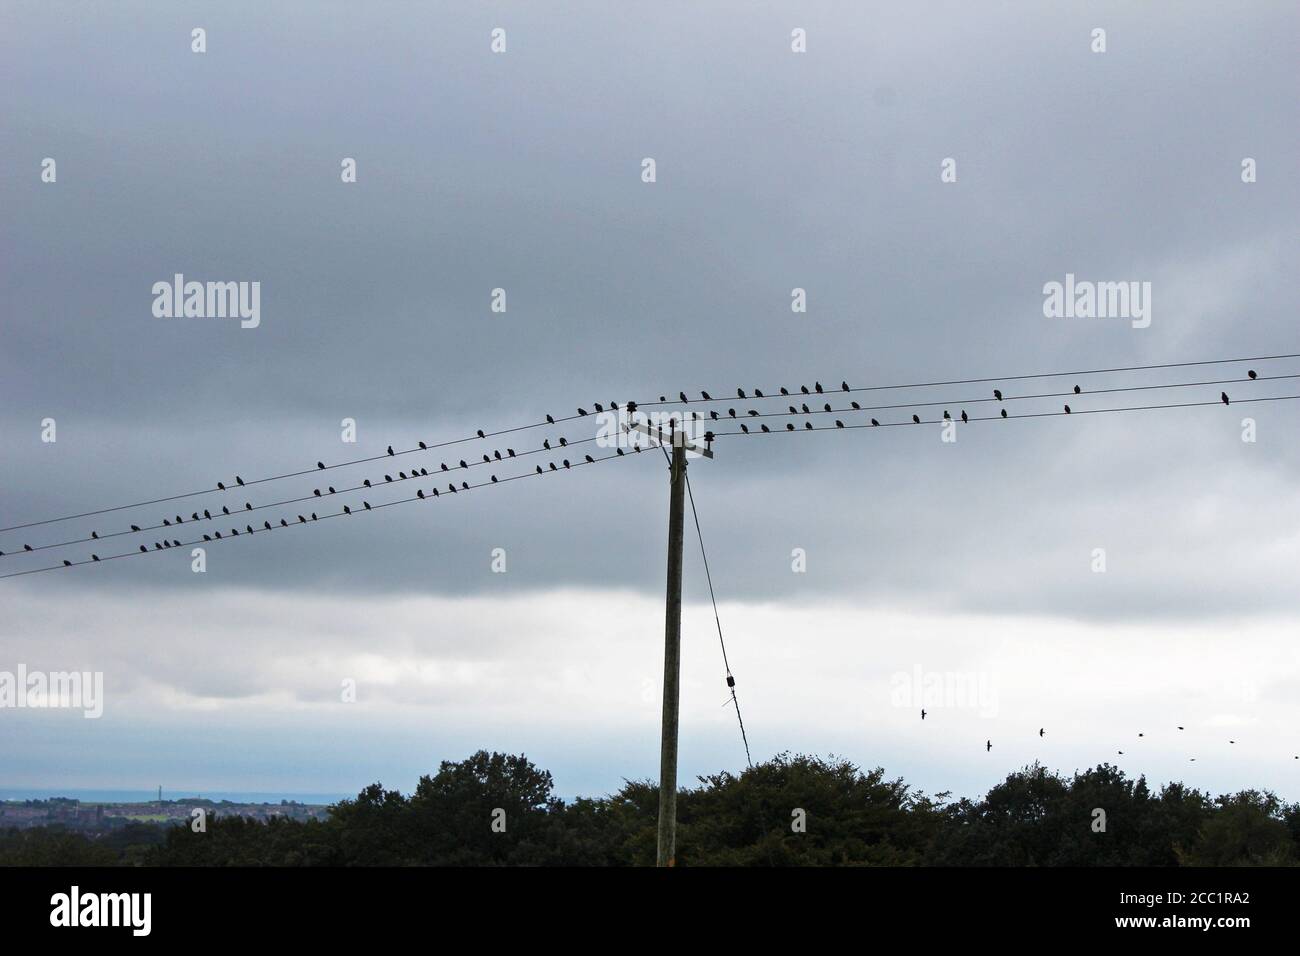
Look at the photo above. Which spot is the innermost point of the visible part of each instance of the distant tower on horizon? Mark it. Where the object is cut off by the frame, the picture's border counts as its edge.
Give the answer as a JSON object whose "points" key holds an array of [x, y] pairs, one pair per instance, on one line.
{"points": [[160, 793]]}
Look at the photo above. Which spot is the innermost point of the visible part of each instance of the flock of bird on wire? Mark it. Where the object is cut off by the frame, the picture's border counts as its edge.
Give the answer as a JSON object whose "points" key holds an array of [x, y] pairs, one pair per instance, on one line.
{"points": [[805, 403]]}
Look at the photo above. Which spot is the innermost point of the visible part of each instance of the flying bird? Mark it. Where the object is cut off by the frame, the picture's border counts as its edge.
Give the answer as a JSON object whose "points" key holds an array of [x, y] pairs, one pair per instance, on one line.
{"points": [[923, 713], [988, 745], [1041, 732]]}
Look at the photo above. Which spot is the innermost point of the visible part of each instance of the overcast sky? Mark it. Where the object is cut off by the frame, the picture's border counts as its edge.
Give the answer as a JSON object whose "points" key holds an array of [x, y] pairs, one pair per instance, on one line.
{"points": [[775, 170]]}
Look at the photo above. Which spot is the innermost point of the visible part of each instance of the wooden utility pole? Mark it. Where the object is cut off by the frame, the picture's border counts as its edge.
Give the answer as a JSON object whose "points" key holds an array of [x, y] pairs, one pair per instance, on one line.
{"points": [[672, 659], [666, 854]]}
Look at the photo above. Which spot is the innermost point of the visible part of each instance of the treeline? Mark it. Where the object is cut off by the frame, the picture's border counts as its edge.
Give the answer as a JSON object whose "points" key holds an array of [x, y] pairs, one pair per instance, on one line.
{"points": [[499, 810]]}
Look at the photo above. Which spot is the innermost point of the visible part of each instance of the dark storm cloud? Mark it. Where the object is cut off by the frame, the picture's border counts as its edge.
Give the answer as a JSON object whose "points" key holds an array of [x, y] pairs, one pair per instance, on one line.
{"points": [[521, 171]]}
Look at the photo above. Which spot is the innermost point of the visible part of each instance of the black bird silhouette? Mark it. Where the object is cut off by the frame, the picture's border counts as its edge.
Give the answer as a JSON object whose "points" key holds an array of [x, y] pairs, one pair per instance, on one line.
{"points": [[1251, 373], [347, 510], [94, 557], [740, 393], [320, 464], [705, 396], [713, 415], [754, 412], [818, 386], [239, 480], [946, 416], [423, 446], [988, 745], [618, 450], [67, 563], [283, 523], [1223, 396], [301, 519], [566, 463], [552, 464], [598, 407], [494, 479], [464, 486], [765, 428], [590, 460], [963, 416], [1180, 728], [804, 406], [550, 420], [316, 491], [826, 407], [916, 419], [731, 412], [1141, 735], [221, 486], [367, 503], [390, 449], [745, 429], [804, 389], [923, 713], [366, 482], [539, 469], [682, 396], [1077, 390], [582, 411], [856, 406], [785, 391], [134, 527], [462, 463], [1041, 731], [166, 523], [758, 393], [248, 506], [487, 459], [510, 452], [546, 443], [207, 514], [997, 393], [793, 410], [808, 425], [267, 525], [480, 434], [1121, 753], [844, 386], [874, 422], [225, 510], [435, 492], [444, 466], [838, 423], [1004, 413], [250, 528], [94, 534], [789, 427], [143, 548], [1067, 409], [562, 441]]}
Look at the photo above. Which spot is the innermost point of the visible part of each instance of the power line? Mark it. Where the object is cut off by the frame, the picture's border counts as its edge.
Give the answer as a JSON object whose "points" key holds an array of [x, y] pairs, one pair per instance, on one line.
{"points": [[996, 378], [731, 681], [247, 509], [790, 429], [432, 495], [664, 400]]}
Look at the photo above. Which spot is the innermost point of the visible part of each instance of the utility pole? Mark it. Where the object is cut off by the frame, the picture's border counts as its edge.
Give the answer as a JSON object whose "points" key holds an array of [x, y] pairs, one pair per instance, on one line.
{"points": [[666, 854]]}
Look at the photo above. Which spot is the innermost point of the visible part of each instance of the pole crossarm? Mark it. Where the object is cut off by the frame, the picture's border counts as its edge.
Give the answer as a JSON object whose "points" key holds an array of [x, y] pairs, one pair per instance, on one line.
{"points": [[671, 438]]}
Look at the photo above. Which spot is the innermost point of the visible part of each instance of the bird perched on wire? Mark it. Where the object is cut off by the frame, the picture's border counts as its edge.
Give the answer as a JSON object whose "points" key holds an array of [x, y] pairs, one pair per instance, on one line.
{"points": [[1223, 397], [1251, 373], [740, 393], [874, 422], [916, 419], [390, 450], [480, 434], [964, 418], [1067, 409], [997, 393]]}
